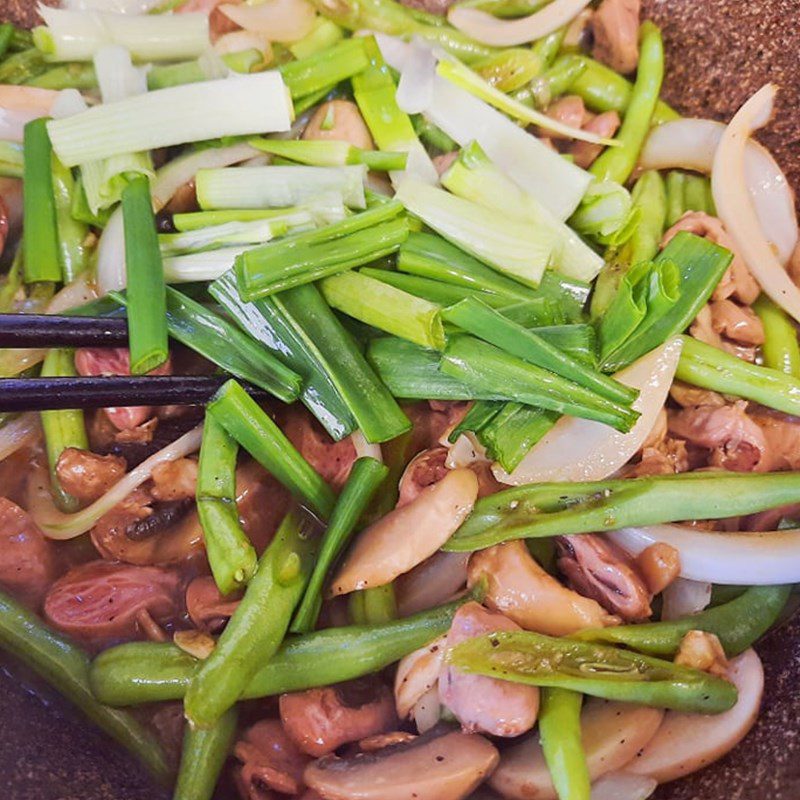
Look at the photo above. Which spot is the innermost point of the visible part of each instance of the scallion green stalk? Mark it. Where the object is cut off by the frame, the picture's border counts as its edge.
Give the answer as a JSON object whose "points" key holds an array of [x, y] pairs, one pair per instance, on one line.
{"points": [[386, 308], [324, 34], [253, 428], [40, 240], [330, 153], [72, 233], [780, 350], [511, 433], [480, 414], [62, 429], [147, 305], [167, 75], [324, 69]]}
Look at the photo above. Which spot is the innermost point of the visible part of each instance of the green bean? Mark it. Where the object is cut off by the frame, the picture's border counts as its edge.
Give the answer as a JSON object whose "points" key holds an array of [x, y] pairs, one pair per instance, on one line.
{"points": [[548, 46], [709, 368], [365, 477], [504, 8], [738, 624], [553, 83], [602, 89], [258, 626], [66, 667], [203, 756], [676, 184], [62, 429], [617, 163], [695, 194], [231, 556], [253, 428], [23, 66], [6, 34], [560, 734], [74, 257], [510, 69], [553, 509], [594, 669], [66, 76], [780, 350], [431, 135], [372, 606], [144, 672]]}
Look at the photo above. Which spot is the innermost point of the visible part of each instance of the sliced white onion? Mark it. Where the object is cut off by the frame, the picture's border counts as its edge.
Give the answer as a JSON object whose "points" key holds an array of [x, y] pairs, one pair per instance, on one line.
{"points": [[170, 178], [735, 207], [687, 742], [491, 30], [19, 432], [691, 144], [431, 583], [81, 291], [582, 450], [57, 525], [465, 451], [623, 786], [750, 558], [415, 89], [684, 597], [278, 20], [21, 104], [365, 449], [427, 709]]}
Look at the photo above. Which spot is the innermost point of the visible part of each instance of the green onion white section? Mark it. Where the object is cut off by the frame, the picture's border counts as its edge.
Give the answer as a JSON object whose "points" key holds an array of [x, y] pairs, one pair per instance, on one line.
{"points": [[206, 266], [507, 244], [235, 106], [277, 187], [78, 35]]}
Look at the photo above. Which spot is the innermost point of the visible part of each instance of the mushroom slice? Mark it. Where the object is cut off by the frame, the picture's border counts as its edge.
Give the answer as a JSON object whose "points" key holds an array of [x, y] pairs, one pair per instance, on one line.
{"points": [[407, 536], [417, 673], [519, 588], [612, 734], [687, 742], [435, 766]]}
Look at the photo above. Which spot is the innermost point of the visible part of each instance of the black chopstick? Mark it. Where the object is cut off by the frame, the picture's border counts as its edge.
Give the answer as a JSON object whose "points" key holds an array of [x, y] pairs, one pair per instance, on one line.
{"points": [[50, 330], [50, 394]]}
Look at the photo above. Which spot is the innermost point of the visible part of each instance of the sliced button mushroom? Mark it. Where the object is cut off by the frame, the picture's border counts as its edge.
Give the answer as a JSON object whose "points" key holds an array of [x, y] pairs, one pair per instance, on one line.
{"points": [[417, 673], [431, 767], [519, 588], [341, 121], [482, 704], [612, 734], [407, 536], [687, 742]]}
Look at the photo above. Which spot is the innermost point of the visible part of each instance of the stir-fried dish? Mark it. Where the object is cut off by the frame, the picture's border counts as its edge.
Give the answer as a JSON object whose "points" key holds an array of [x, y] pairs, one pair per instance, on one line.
{"points": [[397, 401]]}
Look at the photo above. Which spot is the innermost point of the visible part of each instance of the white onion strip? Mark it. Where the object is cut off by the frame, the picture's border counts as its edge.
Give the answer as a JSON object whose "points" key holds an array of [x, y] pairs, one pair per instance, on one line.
{"points": [[735, 207], [684, 597], [582, 450], [17, 433], [691, 144], [57, 525], [278, 20], [365, 449], [21, 104], [491, 30], [749, 558]]}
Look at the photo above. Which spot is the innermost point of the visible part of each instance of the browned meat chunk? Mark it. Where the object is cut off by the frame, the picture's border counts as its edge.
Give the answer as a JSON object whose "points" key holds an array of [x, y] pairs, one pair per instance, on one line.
{"points": [[615, 25], [86, 475]]}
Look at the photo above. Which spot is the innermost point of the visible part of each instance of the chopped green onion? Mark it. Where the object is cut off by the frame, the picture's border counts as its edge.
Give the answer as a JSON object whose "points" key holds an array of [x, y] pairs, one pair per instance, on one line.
{"points": [[78, 35], [12, 160], [506, 244], [330, 153], [511, 434], [243, 105], [606, 214], [473, 177], [72, 233], [278, 187], [308, 256], [231, 556], [480, 414], [207, 265], [491, 326], [195, 220], [40, 239], [268, 325], [325, 69], [147, 305], [164, 76], [324, 34], [62, 429], [701, 264], [365, 479], [220, 342], [780, 350], [576, 340], [253, 428], [386, 308], [483, 366], [372, 406]]}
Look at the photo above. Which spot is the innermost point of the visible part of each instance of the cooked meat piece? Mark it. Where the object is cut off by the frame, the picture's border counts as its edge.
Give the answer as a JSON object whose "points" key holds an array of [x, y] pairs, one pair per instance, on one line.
{"points": [[605, 125], [424, 470], [782, 433], [615, 26], [659, 565], [568, 110], [270, 761], [175, 480], [431, 6], [28, 562], [320, 720], [207, 608], [596, 568], [262, 503], [686, 395], [482, 704], [736, 322], [444, 162], [736, 442], [341, 121], [701, 650], [100, 601], [86, 475]]}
